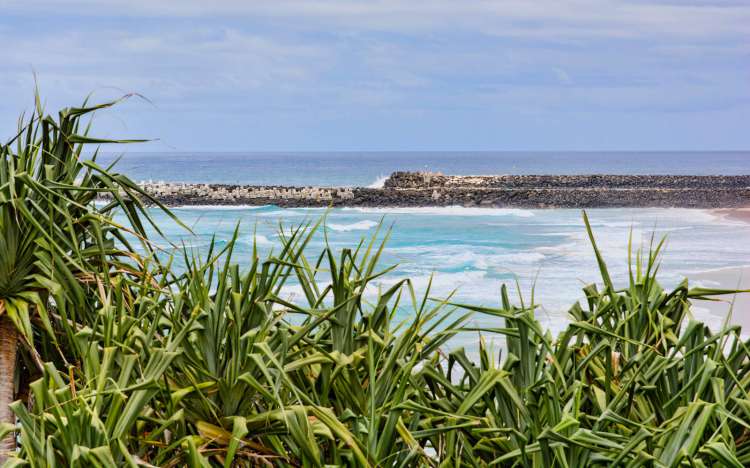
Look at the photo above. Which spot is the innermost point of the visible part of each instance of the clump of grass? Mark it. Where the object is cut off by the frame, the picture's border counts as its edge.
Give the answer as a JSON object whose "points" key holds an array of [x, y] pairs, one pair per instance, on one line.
{"points": [[215, 366]]}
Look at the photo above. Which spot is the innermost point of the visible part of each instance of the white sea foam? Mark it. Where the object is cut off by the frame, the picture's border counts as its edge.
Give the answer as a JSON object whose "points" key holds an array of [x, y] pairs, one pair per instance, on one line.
{"points": [[471, 254], [358, 226], [565, 248], [734, 268], [279, 213], [261, 240], [470, 282], [379, 182], [615, 224], [449, 211], [692, 214], [221, 207], [493, 258]]}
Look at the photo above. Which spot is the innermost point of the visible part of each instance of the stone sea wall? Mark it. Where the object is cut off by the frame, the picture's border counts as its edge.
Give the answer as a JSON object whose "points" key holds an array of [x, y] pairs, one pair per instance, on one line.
{"points": [[429, 179], [413, 189]]}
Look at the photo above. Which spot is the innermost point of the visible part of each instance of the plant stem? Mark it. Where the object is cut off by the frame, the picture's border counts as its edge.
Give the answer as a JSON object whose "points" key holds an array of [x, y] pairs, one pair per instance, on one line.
{"points": [[8, 349]]}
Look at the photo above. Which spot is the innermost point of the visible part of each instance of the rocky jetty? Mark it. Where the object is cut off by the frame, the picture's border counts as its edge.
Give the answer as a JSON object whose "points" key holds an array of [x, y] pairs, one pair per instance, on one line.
{"points": [[411, 189], [431, 179]]}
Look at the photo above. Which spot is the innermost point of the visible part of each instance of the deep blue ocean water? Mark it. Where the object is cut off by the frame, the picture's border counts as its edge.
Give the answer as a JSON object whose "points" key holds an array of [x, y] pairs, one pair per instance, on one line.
{"points": [[365, 168], [470, 250]]}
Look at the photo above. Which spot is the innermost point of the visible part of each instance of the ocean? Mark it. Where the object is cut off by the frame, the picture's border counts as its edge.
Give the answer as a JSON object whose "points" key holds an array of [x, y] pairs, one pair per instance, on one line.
{"points": [[370, 168], [471, 251]]}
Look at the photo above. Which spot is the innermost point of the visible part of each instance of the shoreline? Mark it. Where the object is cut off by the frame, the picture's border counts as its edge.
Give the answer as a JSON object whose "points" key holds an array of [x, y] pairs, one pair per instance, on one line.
{"points": [[423, 189], [734, 214], [714, 312], [737, 277]]}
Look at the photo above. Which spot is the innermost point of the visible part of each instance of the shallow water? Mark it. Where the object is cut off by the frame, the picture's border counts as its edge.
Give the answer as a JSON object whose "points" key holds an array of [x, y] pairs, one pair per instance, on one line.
{"points": [[474, 251]]}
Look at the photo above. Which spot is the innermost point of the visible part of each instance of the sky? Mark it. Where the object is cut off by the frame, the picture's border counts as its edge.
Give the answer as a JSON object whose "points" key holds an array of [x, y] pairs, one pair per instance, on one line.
{"points": [[335, 75]]}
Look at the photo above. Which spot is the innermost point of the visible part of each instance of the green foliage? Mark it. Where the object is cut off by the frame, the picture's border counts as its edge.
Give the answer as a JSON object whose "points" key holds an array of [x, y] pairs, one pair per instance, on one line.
{"points": [[217, 366], [55, 241]]}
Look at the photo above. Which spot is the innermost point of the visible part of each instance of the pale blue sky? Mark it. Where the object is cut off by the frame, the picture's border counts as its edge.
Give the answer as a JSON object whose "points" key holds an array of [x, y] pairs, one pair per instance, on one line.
{"points": [[390, 74]]}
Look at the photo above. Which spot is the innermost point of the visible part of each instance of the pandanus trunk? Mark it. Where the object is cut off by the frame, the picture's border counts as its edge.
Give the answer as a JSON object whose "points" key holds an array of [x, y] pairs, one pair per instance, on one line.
{"points": [[8, 347]]}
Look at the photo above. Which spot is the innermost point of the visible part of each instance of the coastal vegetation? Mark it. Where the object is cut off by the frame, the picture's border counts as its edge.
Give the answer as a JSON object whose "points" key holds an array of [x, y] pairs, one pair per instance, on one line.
{"points": [[112, 355]]}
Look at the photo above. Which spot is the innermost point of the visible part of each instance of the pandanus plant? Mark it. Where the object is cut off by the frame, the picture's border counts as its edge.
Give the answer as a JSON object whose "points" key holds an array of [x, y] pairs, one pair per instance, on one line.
{"points": [[328, 371], [632, 381], [141, 365], [54, 236]]}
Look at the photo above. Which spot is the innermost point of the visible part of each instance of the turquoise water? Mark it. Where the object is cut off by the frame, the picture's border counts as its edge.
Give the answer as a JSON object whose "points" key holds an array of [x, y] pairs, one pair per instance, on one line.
{"points": [[476, 250], [471, 250]]}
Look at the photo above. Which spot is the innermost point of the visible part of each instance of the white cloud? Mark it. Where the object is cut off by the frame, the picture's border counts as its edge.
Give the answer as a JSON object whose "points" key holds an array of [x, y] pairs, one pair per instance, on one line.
{"points": [[303, 61], [538, 18]]}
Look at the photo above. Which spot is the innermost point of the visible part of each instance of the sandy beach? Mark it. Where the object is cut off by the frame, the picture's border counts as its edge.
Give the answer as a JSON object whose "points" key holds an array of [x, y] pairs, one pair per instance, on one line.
{"points": [[713, 312]]}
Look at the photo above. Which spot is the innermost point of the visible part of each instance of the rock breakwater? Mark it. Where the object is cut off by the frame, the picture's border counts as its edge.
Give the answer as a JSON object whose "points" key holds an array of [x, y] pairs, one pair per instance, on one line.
{"points": [[413, 189], [604, 181]]}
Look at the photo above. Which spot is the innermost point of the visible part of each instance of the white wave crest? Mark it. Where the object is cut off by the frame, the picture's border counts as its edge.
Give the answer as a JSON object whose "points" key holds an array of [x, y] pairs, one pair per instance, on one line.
{"points": [[221, 207], [260, 239], [470, 282], [358, 226], [449, 211]]}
